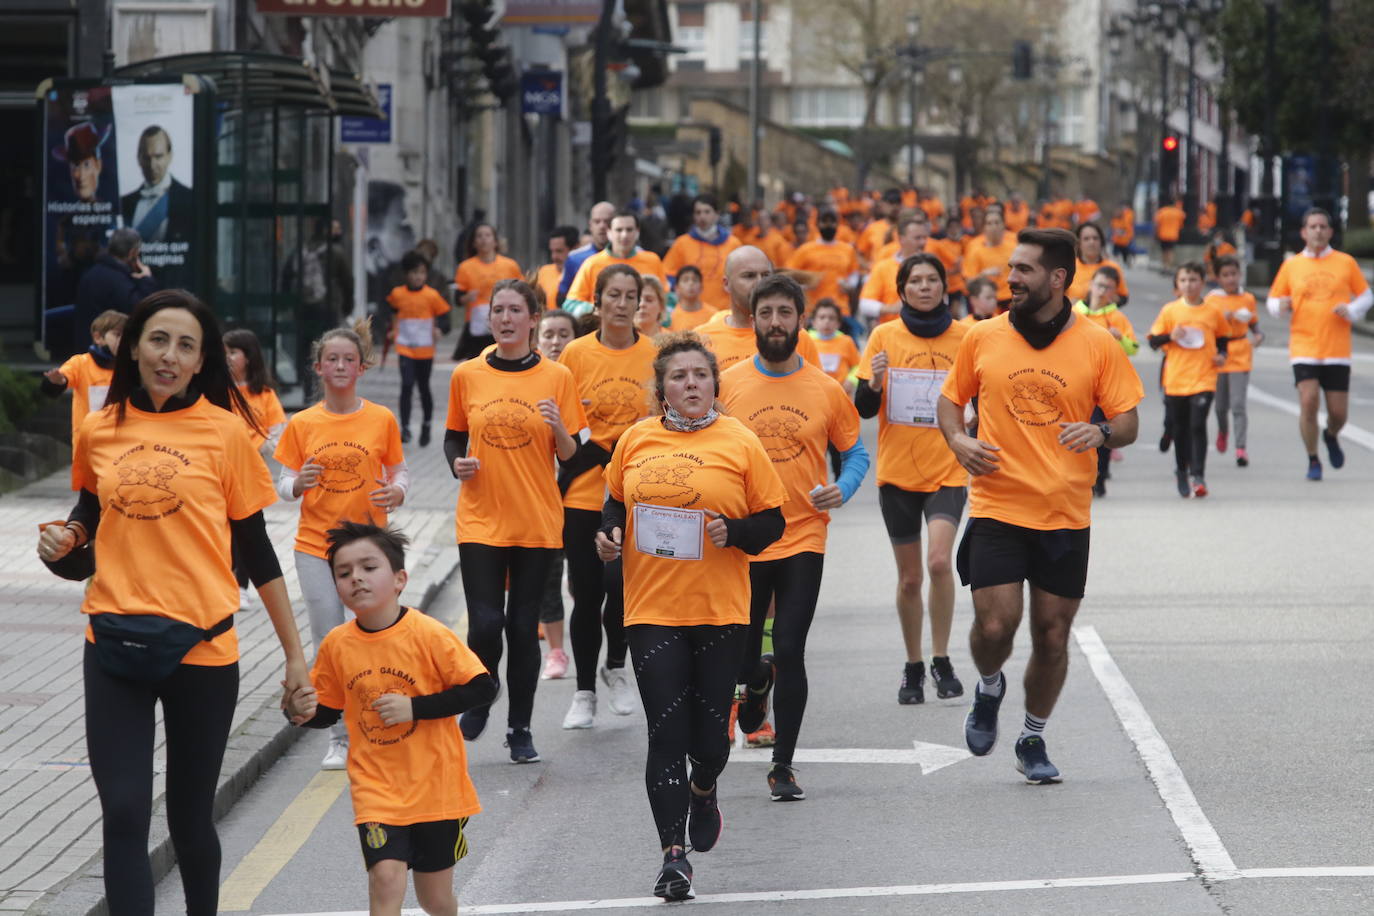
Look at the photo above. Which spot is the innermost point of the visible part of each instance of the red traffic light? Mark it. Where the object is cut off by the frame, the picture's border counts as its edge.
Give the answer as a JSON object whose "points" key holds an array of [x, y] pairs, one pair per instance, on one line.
{"points": [[1170, 144]]}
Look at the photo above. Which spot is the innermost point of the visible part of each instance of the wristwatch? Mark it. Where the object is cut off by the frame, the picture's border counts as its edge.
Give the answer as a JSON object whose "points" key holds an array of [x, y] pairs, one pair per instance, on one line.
{"points": [[1106, 429]]}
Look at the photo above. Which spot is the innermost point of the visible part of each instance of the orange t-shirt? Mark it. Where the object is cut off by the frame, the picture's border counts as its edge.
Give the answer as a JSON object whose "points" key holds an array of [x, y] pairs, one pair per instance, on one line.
{"points": [[267, 411], [706, 257], [980, 256], [795, 417], [1123, 227], [617, 385], [547, 279], [1062, 212], [513, 499], [1016, 218], [1083, 279], [583, 287], [839, 355], [1169, 223], [776, 246], [1188, 366], [722, 468], [912, 453], [933, 209], [881, 286], [410, 772], [355, 450], [734, 344], [684, 320], [1240, 354], [873, 237], [834, 261], [1023, 395], [169, 483], [951, 254], [89, 384], [1115, 318], [477, 276], [1207, 219], [415, 311], [1317, 286], [1086, 210]]}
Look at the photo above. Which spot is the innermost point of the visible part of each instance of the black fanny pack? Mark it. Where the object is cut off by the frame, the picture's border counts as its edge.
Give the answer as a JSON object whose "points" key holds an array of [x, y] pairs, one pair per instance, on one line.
{"points": [[146, 648]]}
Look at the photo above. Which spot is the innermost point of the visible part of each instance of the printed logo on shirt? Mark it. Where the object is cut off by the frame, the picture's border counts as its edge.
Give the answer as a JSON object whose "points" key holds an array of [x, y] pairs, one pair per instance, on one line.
{"points": [[504, 423], [778, 428], [145, 488], [1034, 397], [1319, 286], [617, 402], [372, 684], [340, 461], [666, 480]]}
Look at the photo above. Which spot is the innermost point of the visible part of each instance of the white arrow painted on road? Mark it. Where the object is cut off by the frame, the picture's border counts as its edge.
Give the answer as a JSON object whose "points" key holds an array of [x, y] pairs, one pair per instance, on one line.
{"points": [[929, 757]]}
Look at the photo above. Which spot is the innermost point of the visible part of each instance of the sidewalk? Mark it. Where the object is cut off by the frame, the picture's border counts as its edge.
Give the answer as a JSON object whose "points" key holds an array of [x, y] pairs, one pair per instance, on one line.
{"points": [[50, 846]]}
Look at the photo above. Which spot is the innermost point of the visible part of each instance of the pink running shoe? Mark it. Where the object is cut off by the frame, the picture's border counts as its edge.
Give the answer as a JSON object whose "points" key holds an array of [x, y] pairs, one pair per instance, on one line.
{"points": [[1118, 455], [555, 665]]}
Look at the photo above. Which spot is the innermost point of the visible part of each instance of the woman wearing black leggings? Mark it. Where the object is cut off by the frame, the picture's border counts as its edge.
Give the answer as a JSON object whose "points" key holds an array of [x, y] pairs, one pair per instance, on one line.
{"points": [[692, 495], [169, 482], [509, 413]]}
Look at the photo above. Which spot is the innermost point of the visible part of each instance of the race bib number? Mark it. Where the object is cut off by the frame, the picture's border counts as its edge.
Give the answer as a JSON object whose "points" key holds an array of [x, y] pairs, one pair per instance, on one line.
{"points": [[912, 395], [678, 534], [830, 363], [96, 394], [415, 332], [479, 320], [1193, 338]]}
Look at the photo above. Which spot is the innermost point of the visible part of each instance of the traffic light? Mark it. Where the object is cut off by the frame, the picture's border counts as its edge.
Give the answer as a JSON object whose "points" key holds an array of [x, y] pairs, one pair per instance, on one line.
{"points": [[1021, 60], [1168, 165], [482, 35]]}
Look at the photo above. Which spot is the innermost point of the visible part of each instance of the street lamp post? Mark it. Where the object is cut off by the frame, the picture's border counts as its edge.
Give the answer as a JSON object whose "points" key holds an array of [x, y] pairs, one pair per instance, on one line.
{"points": [[913, 31], [1269, 240], [755, 104], [1191, 203]]}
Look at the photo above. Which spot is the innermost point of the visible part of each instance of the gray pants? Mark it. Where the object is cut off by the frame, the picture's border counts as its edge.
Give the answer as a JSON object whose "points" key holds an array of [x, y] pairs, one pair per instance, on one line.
{"points": [[326, 609], [1231, 391]]}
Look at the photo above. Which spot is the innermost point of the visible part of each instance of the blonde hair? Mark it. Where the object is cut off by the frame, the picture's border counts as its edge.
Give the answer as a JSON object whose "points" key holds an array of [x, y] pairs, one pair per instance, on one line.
{"points": [[359, 334]]}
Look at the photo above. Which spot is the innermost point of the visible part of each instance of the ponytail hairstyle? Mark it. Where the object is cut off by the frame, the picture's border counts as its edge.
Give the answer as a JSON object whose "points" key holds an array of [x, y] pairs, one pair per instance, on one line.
{"points": [[259, 377], [214, 381]]}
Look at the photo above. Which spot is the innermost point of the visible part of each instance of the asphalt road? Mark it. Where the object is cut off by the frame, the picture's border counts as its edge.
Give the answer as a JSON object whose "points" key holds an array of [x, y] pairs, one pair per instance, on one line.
{"points": [[1214, 733]]}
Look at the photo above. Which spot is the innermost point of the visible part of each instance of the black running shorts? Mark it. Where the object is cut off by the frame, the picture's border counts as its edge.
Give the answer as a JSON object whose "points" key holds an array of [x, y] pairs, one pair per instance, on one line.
{"points": [[1330, 378], [995, 553], [902, 510], [427, 846]]}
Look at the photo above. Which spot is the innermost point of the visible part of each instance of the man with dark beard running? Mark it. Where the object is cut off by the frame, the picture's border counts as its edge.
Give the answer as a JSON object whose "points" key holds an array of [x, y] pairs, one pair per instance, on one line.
{"points": [[1037, 371]]}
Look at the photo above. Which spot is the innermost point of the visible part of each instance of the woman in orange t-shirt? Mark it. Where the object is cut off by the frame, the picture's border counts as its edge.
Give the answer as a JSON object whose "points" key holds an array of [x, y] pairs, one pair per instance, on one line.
{"points": [[692, 495], [243, 353], [475, 279], [168, 481], [510, 412], [1091, 247]]}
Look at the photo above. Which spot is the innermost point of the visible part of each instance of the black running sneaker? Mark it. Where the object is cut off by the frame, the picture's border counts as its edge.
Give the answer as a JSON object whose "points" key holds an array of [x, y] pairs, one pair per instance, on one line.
{"points": [[521, 744], [1334, 450], [675, 877], [473, 722], [753, 707], [1185, 489], [704, 821], [980, 727], [424, 435], [405, 434], [913, 689], [1033, 762], [782, 784], [1165, 441], [947, 684]]}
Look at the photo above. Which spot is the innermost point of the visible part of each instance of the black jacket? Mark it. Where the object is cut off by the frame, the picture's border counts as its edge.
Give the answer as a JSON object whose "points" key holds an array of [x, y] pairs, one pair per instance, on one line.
{"points": [[181, 210], [107, 284]]}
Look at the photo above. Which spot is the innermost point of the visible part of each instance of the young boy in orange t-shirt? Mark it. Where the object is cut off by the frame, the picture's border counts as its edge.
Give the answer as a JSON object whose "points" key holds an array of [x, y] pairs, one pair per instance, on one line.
{"points": [[87, 375], [397, 678], [416, 306]]}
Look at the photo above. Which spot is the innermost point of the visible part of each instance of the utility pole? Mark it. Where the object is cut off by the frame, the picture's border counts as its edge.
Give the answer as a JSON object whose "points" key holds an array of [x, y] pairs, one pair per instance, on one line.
{"points": [[755, 103], [601, 103]]}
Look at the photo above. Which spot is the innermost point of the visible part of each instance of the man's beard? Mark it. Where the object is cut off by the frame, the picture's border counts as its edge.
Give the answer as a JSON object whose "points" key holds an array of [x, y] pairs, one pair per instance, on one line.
{"points": [[774, 350], [1034, 301]]}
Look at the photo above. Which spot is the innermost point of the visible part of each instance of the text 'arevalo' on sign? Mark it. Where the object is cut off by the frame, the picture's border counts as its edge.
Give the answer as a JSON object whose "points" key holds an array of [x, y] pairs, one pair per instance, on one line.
{"points": [[436, 8]]}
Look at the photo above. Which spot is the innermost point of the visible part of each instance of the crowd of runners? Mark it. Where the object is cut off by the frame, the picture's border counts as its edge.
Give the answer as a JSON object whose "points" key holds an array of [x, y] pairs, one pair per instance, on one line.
{"points": [[670, 435]]}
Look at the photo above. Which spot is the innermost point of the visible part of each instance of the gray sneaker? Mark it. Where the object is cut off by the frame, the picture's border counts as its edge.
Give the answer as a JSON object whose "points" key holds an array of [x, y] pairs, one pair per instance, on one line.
{"points": [[620, 695]]}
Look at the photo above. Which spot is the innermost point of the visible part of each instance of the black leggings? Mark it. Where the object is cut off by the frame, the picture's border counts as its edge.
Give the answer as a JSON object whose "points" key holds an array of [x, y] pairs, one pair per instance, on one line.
{"points": [[686, 680], [416, 372], [792, 585], [197, 710], [1189, 415], [491, 614], [592, 583]]}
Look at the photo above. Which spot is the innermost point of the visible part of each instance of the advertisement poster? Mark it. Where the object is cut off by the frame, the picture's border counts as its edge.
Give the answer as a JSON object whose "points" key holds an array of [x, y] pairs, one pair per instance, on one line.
{"points": [[117, 157]]}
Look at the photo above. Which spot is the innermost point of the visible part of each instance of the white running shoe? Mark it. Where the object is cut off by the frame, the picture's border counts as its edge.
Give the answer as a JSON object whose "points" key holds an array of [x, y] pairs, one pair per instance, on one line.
{"points": [[336, 758], [582, 712], [622, 696]]}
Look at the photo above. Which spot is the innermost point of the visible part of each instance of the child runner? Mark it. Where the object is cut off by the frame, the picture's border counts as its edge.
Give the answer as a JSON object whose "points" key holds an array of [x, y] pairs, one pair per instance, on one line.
{"points": [[690, 310], [982, 301], [88, 374], [1193, 333], [397, 678], [1102, 310], [556, 329], [243, 352], [652, 314], [1233, 381], [839, 355], [506, 413], [342, 459], [416, 305]]}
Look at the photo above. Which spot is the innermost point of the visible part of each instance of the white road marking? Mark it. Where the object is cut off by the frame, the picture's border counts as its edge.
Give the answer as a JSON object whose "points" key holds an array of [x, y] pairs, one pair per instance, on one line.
{"points": [[1349, 432], [1205, 846], [907, 890], [930, 757]]}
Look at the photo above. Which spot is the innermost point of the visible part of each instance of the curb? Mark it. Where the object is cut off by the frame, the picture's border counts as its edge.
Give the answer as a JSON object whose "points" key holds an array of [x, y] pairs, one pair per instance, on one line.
{"points": [[251, 751]]}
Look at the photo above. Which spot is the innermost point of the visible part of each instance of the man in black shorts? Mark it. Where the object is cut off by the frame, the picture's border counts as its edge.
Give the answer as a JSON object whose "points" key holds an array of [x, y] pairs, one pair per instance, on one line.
{"points": [[1038, 372]]}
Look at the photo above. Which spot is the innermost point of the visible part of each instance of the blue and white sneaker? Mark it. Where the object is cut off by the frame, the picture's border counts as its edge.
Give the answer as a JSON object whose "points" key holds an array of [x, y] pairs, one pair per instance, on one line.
{"points": [[980, 727], [1033, 762], [1314, 470]]}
